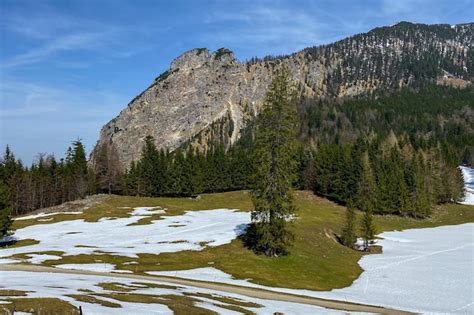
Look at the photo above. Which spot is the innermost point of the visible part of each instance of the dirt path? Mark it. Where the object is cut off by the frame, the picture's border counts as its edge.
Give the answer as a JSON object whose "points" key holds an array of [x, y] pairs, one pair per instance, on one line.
{"points": [[222, 287]]}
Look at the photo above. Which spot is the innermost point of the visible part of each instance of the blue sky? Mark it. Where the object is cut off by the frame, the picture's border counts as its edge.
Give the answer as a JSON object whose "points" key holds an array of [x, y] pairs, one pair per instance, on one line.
{"points": [[68, 67]]}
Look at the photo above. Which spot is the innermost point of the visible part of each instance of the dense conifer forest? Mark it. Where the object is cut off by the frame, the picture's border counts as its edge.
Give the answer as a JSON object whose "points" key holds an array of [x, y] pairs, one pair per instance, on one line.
{"points": [[397, 153]]}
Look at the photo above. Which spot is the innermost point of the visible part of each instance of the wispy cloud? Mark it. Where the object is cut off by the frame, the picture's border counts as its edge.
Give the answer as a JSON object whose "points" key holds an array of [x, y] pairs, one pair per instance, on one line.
{"points": [[28, 99], [80, 41], [47, 33], [269, 26], [66, 65]]}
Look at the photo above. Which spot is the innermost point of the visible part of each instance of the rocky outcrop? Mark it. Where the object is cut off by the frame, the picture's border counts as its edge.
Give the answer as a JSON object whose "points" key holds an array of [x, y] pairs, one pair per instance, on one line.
{"points": [[205, 96]]}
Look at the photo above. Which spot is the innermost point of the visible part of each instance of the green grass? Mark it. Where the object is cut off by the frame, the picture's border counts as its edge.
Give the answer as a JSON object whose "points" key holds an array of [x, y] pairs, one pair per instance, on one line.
{"points": [[93, 300], [316, 260], [229, 304], [177, 303], [25, 242], [4, 292], [224, 299], [48, 306]]}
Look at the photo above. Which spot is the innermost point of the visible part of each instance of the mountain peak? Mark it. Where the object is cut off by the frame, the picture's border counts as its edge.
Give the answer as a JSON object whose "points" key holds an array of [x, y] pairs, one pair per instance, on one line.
{"points": [[209, 96]]}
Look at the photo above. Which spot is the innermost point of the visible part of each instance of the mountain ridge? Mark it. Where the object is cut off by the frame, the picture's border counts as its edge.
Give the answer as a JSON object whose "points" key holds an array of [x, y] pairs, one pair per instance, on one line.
{"points": [[207, 96]]}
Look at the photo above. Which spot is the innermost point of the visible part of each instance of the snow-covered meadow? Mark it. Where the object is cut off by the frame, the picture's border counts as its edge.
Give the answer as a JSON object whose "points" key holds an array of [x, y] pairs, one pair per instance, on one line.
{"points": [[58, 285], [194, 230], [420, 270], [427, 270]]}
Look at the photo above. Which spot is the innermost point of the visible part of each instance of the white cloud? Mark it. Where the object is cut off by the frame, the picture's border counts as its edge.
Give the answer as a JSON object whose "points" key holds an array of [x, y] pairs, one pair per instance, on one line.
{"points": [[278, 28], [80, 41], [44, 33], [20, 99]]}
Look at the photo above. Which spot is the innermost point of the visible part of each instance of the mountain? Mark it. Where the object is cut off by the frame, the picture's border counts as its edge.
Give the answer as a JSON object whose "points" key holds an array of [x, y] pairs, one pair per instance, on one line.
{"points": [[206, 97]]}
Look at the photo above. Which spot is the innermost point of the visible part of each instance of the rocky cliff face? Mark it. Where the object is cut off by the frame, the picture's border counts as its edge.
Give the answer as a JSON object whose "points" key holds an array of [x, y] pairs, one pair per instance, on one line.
{"points": [[205, 96]]}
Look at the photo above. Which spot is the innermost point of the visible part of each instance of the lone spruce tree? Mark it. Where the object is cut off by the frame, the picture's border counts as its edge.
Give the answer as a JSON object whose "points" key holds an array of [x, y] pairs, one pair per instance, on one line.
{"points": [[349, 237], [274, 160], [367, 226]]}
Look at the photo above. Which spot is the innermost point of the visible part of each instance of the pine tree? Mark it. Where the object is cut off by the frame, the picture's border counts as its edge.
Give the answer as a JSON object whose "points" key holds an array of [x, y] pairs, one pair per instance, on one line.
{"points": [[421, 205], [5, 212], [131, 180], [76, 163], [107, 168], [367, 226], [148, 169], [180, 181], [367, 186], [275, 149], [349, 237], [194, 173]]}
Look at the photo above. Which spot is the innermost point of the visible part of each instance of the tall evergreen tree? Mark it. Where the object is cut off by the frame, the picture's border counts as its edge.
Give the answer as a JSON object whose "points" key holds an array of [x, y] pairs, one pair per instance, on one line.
{"points": [[275, 149], [420, 199], [148, 169], [76, 163], [367, 226], [107, 168], [349, 237], [5, 211], [367, 185]]}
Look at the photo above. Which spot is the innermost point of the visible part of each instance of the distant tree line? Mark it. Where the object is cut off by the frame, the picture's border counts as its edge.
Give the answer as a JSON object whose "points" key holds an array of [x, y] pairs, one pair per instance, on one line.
{"points": [[47, 182], [386, 175], [406, 146], [402, 149], [188, 172]]}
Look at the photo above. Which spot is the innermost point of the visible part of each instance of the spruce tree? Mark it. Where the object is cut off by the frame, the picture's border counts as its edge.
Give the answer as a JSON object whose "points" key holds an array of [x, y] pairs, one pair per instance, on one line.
{"points": [[367, 226], [148, 169], [76, 163], [131, 180], [275, 149], [367, 186], [349, 237], [5, 212], [421, 205], [106, 168]]}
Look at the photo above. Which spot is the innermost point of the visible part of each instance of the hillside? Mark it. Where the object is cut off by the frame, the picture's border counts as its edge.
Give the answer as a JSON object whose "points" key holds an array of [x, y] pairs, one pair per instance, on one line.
{"points": [[166, 237], [207, 96]]}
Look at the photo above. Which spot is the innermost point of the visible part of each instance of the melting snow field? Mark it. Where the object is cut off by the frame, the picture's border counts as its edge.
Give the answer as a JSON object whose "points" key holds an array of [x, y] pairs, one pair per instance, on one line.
{"points": [[468, 174], [56, 285], [193, 230], [420, 270]]}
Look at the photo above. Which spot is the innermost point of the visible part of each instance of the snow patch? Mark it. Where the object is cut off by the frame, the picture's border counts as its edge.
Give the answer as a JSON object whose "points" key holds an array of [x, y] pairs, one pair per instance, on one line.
{"points": [[88, 267], [193, 230], [122, 271], [44, 214], [39, 258], [9, 261], [57, 285], [146, 211], [413, 267], [130, 263]]}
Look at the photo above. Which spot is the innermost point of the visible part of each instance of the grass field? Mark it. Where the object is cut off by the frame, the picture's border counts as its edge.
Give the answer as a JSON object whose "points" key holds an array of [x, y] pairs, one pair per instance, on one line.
{"points": [[316, 260]]}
